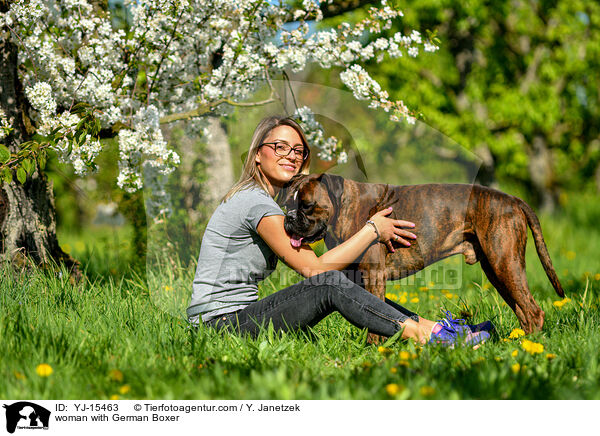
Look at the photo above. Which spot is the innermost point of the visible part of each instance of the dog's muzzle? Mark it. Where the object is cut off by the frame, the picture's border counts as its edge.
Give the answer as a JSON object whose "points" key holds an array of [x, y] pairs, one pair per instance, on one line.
{"points": [[297, 225]]}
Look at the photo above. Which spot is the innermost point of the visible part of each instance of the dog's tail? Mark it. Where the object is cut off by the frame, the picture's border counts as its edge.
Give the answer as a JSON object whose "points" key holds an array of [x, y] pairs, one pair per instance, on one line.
{"points": [[540, 246]]}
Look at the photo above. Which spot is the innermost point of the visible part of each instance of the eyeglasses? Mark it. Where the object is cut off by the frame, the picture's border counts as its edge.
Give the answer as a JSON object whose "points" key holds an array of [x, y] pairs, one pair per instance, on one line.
{"points": [[283, 149]]}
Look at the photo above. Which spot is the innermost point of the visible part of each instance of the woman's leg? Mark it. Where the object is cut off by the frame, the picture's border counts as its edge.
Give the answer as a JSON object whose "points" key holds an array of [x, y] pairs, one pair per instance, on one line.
{"points": [[306, 303]]}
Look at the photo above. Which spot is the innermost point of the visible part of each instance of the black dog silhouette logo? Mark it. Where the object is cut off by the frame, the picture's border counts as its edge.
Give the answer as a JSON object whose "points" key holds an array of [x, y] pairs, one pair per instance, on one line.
{"points": [[26, 415]]}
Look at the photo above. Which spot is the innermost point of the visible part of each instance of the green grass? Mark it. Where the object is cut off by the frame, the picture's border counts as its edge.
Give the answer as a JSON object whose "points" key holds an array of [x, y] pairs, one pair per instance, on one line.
{"points": [[117, 334]]}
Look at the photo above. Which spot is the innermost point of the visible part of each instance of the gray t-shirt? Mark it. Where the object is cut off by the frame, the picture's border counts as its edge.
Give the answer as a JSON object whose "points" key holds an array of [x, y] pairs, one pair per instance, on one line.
{"points": [[233, 257]]}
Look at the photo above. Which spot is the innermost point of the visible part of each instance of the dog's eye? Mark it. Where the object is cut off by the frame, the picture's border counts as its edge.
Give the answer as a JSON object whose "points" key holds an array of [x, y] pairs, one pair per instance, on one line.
{"points": [[307, 206]]}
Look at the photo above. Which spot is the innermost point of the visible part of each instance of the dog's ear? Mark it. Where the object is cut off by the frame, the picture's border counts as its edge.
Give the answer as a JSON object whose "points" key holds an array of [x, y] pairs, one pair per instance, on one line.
{"points": [[285, 189], [335, 188]]}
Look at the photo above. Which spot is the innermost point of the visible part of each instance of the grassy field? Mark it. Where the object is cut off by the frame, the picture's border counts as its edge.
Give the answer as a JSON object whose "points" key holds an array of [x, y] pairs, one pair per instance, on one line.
{"points": [[118, 335]]}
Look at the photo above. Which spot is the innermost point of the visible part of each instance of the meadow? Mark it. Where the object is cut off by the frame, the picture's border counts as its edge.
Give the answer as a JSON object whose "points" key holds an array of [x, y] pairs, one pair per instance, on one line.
{"points": [[120, 335]]}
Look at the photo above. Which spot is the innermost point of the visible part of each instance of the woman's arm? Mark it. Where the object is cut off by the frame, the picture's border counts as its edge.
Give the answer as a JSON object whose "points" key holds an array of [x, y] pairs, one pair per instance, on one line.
{"points": [[304, 261]]}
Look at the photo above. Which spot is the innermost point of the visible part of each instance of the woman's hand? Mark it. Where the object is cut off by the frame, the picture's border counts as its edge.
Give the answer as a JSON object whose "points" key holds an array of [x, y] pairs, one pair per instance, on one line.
{"points": [[390, 229]]}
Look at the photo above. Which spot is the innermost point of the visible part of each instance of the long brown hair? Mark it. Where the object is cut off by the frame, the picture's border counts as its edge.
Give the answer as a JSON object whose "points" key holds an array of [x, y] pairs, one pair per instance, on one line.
{"points": [[251, 176]]}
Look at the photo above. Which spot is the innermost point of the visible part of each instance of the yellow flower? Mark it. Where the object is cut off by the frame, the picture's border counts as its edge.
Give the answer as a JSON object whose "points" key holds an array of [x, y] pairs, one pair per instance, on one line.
{"points": [[479, 360], [392, 297], [404, 355], [168, 288], [532, 347], [562, 302], [43, 370], [423, 288], [124, 389], [427, 391], [66, 248], [114, 397], [392, 389], [515, 368], [516, 333], [597, 277], [383, 350], [19, 375], [487, 286], [116, 375], [403, 299], [393, 370], [414, 300], [550, 356], [515, 353]]}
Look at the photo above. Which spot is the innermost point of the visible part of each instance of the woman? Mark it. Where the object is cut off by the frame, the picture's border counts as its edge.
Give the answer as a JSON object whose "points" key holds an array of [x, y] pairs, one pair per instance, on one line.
{"points": [[245, 236]]}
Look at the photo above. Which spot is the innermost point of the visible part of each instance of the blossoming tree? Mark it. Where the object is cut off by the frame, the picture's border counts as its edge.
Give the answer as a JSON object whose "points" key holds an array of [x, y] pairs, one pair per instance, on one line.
{"points": [[70, 80]]}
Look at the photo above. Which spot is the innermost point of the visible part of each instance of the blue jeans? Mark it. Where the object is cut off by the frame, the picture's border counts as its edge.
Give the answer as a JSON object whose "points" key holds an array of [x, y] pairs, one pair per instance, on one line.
{"points": [[306, 303]]}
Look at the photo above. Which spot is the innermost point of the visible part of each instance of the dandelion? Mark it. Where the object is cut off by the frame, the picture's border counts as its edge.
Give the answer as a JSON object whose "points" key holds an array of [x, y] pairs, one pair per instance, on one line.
{"points": [[550, 356], [168, 288], [515, 353], [404, 355], [392, 297], [561, 303], [392, 389], [423, 288], [597, 277], [393, 370], [516, 333], [515, 368], [427, 391], [414, 300], [403, 299], [114, 397], [115, 375], [384, 350], [19, 375], [124, 389], [532, 347], [43, 370]]}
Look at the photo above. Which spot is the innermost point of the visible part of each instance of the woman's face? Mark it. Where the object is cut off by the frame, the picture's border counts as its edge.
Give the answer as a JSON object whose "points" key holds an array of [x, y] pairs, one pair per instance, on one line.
{"points": [[280, 169]]}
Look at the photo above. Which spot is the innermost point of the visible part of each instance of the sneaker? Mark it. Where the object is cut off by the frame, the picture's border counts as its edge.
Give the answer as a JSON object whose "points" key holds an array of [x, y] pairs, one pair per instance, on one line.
{"points": [[449, 337], [461, 326]]}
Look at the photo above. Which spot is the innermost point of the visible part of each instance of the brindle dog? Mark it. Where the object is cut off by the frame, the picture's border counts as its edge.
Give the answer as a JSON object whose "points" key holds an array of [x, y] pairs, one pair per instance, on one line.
{"points": [[483, 224]]}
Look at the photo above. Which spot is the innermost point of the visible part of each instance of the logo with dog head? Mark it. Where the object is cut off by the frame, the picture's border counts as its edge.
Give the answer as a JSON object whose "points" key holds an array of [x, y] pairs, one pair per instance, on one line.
{"points": [[26, 415]]}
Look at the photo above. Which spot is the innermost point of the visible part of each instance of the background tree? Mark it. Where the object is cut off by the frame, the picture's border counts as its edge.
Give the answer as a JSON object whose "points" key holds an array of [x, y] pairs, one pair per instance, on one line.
{"points": [[514, 82], [70, 82]]}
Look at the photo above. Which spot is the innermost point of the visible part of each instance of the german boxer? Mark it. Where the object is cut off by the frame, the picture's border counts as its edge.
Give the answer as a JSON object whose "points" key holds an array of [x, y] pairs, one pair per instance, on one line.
{"points": [[483, 224]]}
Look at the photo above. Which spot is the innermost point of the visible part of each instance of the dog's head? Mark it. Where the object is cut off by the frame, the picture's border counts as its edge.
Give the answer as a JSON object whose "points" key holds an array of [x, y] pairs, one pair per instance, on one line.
{"points": [[312, 201]]}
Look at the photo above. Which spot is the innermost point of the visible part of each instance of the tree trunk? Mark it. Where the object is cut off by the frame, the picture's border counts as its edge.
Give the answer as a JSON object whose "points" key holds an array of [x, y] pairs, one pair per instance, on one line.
{"points": [[27, 213], [219, 168], [542, 175], [486, 174]]}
